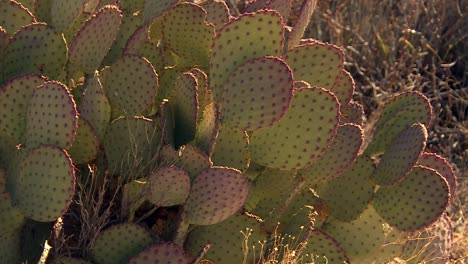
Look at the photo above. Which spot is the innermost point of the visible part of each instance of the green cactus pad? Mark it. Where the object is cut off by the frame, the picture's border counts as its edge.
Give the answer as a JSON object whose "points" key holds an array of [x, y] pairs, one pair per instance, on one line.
{"points": [[29, 4], [134, 195], [323, 249], [168, 155], [440, 164], [46, 183], [3, 180], [131, 6], [257, 94], [353, 113], [348, 195], [231, 149], [343, 87], [297, 214], [216, 194], [10, 247], [193, 160], [94, 106], [130, 144], [402, 155], [185, 105], [341, 153], [167, 253], [367, 239], [11, 218], [186, 33], [131, 85], [400, 112], [237, 43], [135, 41], [281, 6], [51, 117], [300, 25], [69, 260], [85, 146], [155, 8], [117, 244], [303, 133], [414, 203], [318, 64], [14, 16], [4, 40], [168, 186], [207, 130], [63, 13], [204, 94], [35, 48], [227, 239], [94, 39], [217, 13]]}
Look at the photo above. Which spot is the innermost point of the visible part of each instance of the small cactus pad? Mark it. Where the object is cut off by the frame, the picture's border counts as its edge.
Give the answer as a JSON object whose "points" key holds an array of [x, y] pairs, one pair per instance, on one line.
{"points": [[318, 64], [167, 253], [300, 25], [46, 183], [414, 203], [303, 133], [186, 33], [95, 38], [323, 249], [131, 6], [337, 157], [217, 13], [155, 8], [193, 160], [134, 195], [227, 240], [399, 113], [440, 164], [402, 155], [216, 194], [168, 186], [117, 244], [63, 13], [238, 42], [353, 113], [257, 94], [94, 106], [281, 6], [85, 146], [343, 87], [69, 260], [348, 195], [35, 48], [51, 117], [14, 15], [367, 239], [130, 142], [207, 130], [185, 105], [231, 149], [204, 94], [131, 84]]}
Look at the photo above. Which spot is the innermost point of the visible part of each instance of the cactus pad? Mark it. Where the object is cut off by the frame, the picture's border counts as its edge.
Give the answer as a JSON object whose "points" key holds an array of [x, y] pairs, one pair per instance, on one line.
{"points": [[353, 113], [186, 33], [94, 39], [301, 22], [11, 218], [257, 94], [216, 194], [303, 133], [231, 149], [207, 130], [4, 40], [343, 87], [63, 13], [348, 195], [204, 94], [14, 16], [168, 186], [69, 260], [281, 6], [402, 155], [440, 164], [35, 48], [85, 146], [46, 183], [131, 85], [237, 43], [416, 202], [117, 244], [323, 249], [155, 8], [217, 13], [318, 64], [193, 160], [51, 117], [341, 153], [399, 113], [167, 253], [10, 247]]}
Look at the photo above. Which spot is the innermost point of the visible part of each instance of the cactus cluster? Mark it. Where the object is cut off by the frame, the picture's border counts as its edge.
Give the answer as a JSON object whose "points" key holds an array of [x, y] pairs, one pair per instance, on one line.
{"points": [[235, 122]]}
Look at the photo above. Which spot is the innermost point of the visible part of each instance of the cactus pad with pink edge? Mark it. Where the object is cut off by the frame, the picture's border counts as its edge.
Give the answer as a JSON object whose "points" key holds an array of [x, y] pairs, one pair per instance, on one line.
{"points": [[302, 134], [238, 42], [207, 130], [231, 149], [324, 248], [13, 16], [193, 160], [257, 94], [416, 202], [440, 164], [46, 183], [217, 13], [85, 145], [402, 155], [154, 8], [301, 22], [353, 113], [216, 194], [167, 253], [343, 87], [168, 186]]}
